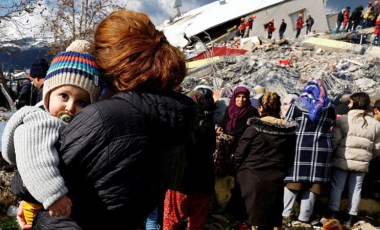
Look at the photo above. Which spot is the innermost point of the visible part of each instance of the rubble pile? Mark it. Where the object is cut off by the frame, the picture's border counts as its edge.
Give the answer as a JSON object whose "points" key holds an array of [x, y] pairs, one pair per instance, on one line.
{"points": [[285, 69]]}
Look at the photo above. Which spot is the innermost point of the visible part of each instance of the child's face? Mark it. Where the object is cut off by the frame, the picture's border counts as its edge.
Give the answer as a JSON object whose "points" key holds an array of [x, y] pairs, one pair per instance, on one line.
{"points": [[68, 98]]}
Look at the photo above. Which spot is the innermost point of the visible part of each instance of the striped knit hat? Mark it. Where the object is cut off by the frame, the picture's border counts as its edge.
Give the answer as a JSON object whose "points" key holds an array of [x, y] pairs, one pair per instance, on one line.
{"points": [[73, 68]]}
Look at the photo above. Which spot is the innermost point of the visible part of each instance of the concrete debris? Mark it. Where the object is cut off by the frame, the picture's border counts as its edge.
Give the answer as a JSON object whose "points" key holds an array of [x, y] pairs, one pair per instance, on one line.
{"points": [[286, 68], [362, 225]]}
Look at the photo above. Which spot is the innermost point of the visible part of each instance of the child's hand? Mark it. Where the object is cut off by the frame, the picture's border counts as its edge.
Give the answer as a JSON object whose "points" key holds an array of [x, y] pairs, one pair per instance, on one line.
{"points": [[61, 207], [21, 219]]}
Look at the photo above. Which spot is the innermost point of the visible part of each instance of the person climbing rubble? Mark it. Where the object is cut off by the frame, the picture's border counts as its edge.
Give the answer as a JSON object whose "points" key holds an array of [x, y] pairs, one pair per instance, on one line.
{"points": [[376, 32], [309, 24], [242, 27], [299, 25], [248, 26], [269, 26]]}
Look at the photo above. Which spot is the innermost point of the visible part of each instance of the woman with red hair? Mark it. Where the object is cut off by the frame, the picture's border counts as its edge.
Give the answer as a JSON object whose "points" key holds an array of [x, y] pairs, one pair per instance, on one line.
{"points": [[116, 161]]}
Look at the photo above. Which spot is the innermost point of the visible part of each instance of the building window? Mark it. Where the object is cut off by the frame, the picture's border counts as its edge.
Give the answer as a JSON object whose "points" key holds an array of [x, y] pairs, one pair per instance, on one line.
{"points": [[294, 16]]}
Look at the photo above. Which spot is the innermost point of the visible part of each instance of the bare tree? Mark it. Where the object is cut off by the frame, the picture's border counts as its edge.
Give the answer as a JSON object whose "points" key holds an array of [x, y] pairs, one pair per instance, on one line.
{"points": [[68, 20], [12, 13]]}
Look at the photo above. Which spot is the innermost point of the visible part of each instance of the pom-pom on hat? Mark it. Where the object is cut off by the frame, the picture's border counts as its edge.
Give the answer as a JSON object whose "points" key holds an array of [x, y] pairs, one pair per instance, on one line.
{"points": [[81, 46], [39, 68], [73, 68]]}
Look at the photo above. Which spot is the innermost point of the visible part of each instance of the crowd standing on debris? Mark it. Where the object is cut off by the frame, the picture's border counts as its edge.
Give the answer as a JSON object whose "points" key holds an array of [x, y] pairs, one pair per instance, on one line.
{"points": [[360, 17], [345, 22], [286, 149]]}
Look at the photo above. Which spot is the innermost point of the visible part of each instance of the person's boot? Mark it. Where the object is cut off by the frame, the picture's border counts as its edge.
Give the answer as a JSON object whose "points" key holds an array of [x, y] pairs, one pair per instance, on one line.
{"points": [[351, 221], [286, 222]]}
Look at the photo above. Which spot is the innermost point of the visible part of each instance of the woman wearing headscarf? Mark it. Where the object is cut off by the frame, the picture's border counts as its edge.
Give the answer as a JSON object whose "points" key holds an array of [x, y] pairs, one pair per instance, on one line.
{"points": [[310, 174], [233, 124], [237, 113], [263, 157], [234, 121]]}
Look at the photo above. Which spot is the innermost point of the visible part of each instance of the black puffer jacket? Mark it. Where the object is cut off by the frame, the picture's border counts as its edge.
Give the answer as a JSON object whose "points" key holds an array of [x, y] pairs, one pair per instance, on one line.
{"points": [[120, 155]]}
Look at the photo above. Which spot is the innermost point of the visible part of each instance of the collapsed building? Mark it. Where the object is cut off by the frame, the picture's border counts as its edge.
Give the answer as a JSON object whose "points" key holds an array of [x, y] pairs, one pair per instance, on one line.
{"points": [[216, 19], [217, 58], [286, 68]]}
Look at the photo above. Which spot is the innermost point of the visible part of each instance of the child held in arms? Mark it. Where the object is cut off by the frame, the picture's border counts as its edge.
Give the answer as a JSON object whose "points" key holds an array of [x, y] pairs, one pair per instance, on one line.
{"points": [[31, 135]]}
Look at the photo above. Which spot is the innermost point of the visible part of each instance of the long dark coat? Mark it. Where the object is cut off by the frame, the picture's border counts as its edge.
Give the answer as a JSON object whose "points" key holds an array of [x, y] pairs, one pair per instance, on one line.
{"points": [[263, 158]]}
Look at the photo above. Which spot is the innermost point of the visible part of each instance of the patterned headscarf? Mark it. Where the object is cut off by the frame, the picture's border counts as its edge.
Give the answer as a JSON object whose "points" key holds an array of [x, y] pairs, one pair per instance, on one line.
{"points": [[234, 111], [315, 98]]}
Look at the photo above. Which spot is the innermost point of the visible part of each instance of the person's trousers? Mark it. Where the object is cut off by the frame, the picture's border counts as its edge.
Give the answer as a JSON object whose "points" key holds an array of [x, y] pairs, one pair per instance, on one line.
{"points": [[298, 32], [338, 24], [338, 181], [178, 206], [308, 30], [306, 206], [270, 34], [151, 221], [281, 34]]}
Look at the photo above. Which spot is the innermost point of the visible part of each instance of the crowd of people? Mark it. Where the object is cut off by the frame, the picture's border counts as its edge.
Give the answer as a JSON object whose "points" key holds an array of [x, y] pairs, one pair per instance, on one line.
{"points": [[346, 21], [112, 142], [360, 18], [245, 27]]}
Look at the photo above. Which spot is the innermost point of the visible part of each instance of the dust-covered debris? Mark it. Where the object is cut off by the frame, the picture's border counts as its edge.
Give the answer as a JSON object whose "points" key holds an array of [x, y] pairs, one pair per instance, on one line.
{"points": [[286, 68]]}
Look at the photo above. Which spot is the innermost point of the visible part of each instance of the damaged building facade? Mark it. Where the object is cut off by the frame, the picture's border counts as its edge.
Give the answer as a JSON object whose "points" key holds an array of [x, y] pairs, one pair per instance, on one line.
{"points": [[218, 18]]}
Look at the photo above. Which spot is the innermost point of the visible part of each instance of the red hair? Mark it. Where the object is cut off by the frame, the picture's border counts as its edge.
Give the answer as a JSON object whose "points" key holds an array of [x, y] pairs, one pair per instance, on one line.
{"points": [[133, 54]]}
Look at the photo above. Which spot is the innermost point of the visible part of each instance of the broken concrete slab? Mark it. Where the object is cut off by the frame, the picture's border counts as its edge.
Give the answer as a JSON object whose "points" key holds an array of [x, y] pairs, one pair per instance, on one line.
{"points": [[199, 63], [333, 45], [373, 52]]}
